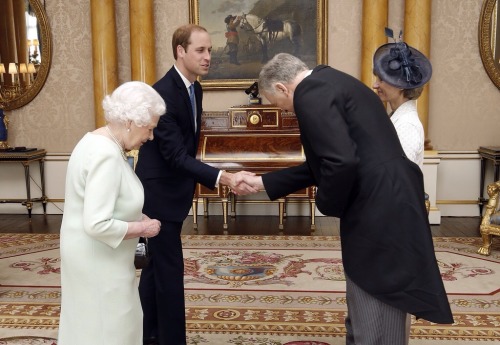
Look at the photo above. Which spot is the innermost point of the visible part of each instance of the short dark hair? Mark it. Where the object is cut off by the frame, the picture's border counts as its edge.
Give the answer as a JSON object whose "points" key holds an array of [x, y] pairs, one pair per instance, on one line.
{"points": [[182, 36]]}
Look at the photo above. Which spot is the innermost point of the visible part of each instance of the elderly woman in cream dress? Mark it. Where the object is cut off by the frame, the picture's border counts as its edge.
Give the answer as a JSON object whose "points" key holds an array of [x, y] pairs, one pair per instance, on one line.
{"points": [[102, 223]]}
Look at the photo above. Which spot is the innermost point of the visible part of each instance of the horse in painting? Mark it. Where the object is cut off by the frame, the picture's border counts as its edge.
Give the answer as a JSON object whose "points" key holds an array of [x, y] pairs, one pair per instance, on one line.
{"points": [[269, 31]]}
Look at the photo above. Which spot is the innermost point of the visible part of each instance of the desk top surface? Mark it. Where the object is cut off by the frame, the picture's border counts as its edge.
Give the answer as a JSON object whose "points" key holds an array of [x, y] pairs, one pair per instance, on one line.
{"points": [[19, 156]]}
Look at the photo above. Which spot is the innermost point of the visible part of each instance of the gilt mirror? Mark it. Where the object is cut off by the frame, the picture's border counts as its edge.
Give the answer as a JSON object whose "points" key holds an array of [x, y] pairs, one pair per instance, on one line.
{"points": [[489, 39], [25, 51]]}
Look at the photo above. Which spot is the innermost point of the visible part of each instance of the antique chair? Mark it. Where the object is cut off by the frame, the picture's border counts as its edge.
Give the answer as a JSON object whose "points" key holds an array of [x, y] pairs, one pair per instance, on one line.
{"points": [[490, 224]]}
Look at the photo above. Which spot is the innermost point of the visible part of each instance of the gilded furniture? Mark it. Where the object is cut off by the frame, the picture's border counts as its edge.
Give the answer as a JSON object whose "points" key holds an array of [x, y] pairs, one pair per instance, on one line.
{"points": [[491, 153], [254, 138], [26, 158], [490, 223]]}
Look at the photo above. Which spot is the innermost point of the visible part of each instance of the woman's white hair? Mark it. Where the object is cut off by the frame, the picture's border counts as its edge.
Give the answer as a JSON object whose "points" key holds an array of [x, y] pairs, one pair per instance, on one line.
{"points": [[133, 101]]}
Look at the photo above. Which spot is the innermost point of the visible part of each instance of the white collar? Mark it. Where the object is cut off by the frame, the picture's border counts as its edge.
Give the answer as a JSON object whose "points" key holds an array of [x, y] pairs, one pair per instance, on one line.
{"points": [[184, 79]]}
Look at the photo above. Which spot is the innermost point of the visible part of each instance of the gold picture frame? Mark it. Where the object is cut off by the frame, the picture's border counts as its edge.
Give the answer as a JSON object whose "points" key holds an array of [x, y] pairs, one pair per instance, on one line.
{"points": [[489, 40], [264, 25]]}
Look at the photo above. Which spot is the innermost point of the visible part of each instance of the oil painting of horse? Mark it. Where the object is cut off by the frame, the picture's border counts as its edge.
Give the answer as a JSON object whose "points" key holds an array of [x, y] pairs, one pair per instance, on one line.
{"points": [[268, 31], [247, 33]]}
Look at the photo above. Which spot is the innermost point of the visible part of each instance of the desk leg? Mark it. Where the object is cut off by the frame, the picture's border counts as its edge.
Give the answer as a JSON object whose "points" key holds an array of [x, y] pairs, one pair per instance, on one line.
{"points": [[28, 202], [233, 205], [195, 214], [312, 204], [205, 207], [42, 178], [497, 166], [281, 203], [481, 187], [225, 193], [224, 213]]}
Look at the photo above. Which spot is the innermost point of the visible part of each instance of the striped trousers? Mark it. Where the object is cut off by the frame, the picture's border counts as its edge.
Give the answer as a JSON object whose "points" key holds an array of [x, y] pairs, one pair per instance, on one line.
{"points": [[371, 322]]}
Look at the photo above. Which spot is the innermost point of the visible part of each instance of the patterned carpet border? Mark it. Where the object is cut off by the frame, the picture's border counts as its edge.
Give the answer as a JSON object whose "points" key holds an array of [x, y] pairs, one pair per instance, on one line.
{"points": [[278, 304]]}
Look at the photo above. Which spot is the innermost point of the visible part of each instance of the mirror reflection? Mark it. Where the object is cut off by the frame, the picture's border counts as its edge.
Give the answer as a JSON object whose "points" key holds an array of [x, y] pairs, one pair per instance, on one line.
{"points": [[24, 51]]}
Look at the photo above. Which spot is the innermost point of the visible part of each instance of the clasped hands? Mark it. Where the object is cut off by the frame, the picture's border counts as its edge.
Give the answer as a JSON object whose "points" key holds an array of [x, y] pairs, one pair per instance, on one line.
{"points": [[150, 227], [243, 182]]}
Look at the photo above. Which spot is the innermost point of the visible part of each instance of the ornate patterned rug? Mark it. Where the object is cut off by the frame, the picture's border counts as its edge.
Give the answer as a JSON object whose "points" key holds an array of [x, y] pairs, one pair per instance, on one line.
{"points": [[267, 290]]}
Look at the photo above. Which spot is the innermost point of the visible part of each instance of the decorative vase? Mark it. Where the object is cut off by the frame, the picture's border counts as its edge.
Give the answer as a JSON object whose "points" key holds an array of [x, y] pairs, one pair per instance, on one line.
{"points": [[4, 126]]}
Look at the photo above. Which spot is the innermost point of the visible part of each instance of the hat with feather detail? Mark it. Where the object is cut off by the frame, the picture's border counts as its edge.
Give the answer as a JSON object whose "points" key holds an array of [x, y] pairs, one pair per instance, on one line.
{"points": [[400, 65]]}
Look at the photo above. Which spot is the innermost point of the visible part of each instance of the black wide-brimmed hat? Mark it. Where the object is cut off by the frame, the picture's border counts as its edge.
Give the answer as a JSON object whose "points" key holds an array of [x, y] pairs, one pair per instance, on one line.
{"points": [[401, 66], [228, 18]]}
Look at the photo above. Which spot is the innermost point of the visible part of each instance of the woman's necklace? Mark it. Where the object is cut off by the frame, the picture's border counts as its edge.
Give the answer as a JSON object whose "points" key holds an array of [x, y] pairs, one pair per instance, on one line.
{"points": [[122, 151]]}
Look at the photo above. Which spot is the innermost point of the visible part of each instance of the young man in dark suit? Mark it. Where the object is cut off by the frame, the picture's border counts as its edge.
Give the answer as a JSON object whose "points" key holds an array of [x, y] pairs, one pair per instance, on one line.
{"points": [[354, 157], [169, 171]]}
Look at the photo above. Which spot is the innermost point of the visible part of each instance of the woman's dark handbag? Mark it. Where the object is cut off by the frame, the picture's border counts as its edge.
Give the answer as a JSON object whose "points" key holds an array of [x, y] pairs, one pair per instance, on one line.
{"points": [[142, 255]]}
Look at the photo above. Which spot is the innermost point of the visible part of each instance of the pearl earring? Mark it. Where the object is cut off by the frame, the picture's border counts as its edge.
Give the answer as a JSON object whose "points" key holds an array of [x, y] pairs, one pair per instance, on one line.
{"points": [[128, 129]]}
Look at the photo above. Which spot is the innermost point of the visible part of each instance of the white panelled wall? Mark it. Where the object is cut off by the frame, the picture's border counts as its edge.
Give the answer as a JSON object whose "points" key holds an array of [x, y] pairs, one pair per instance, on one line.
{"points": [[451, 180]]}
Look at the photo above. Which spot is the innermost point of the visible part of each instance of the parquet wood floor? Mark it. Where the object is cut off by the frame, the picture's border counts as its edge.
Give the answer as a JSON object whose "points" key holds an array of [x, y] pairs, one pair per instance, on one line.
{"points": [[243, 225]]}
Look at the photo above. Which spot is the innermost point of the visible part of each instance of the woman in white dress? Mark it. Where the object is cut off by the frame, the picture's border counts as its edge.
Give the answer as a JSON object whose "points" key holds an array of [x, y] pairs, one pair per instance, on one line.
{"points": [[401, 72], [102, 223]]}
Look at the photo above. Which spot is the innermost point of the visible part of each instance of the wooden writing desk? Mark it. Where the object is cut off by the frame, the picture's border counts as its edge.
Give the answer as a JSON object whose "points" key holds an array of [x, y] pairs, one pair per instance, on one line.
{"points": [[254, 138]]}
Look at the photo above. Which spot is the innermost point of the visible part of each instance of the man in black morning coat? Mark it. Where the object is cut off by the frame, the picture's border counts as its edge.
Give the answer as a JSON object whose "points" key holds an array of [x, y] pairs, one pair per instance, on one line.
{"points": [[354, 157]]}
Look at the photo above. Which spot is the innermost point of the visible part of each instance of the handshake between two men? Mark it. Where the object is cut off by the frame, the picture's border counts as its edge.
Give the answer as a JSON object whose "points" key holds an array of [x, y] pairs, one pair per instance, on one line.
{"points": [[243, 182]]}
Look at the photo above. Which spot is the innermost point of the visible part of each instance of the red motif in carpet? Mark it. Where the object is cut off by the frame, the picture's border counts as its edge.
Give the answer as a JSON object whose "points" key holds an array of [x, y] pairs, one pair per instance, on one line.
{"points": [[43, 265]]}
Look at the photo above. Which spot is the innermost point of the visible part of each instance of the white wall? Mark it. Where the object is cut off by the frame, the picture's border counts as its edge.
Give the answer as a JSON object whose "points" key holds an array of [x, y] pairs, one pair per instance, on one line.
{"points": [[451, 180]]}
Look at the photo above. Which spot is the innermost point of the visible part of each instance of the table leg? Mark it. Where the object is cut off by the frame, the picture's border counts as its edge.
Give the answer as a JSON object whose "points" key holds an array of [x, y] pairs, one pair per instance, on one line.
{"points": [[42, 178], [27, 203], [481, 187]]}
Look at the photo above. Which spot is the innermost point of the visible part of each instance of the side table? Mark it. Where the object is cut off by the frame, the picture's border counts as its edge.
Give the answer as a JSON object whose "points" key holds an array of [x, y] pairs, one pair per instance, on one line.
{"points": [[491, 153], [25, 158]]}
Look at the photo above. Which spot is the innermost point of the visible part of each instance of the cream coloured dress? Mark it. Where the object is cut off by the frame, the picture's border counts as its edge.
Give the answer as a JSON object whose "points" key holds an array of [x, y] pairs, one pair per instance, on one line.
{"points": [[100, 302]]}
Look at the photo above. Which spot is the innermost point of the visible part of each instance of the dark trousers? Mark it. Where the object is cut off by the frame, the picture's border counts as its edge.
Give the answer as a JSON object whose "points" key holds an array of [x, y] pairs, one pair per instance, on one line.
{"points": [[161, 287]]}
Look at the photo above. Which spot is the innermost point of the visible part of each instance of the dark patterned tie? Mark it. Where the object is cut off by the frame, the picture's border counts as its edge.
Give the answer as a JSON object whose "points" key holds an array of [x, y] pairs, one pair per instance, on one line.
{"points": [[193, 104]]}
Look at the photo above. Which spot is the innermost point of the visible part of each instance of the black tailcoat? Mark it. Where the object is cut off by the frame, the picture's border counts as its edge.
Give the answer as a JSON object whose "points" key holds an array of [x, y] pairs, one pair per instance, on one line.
{"points": [[355, 159]]}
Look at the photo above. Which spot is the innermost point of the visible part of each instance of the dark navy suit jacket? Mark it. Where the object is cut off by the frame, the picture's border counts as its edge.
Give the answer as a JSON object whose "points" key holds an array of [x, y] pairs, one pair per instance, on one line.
{"points": [[167, 165]]}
